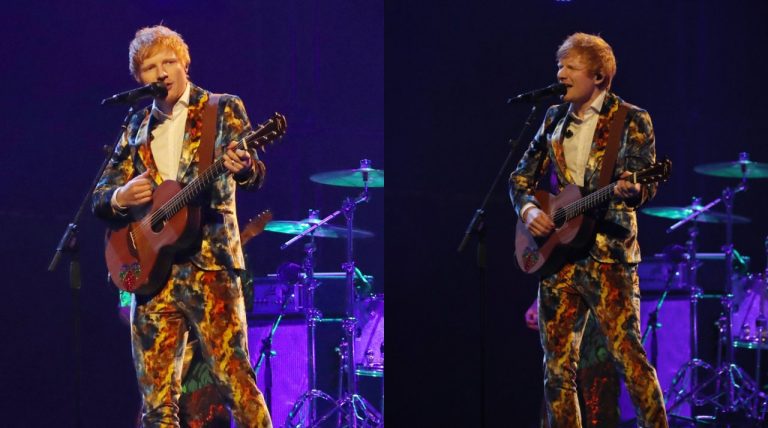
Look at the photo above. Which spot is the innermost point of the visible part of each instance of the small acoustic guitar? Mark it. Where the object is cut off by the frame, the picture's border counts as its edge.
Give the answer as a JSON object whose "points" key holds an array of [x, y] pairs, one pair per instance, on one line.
{"points": [[573, 230], [140, 254]]}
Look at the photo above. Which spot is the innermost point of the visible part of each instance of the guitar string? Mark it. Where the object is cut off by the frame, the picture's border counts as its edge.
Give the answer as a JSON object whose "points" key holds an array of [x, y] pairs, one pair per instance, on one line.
{"points": [[585, 203], [578, 207], [581, 205], [186, 194], [190, 191], [179, 200]]}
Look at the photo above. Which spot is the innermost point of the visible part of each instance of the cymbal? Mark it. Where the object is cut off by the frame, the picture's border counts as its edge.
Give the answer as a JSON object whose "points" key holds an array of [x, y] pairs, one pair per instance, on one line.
{"points": [[677, 213], [324, 231], [738, 169], [352, 177]]}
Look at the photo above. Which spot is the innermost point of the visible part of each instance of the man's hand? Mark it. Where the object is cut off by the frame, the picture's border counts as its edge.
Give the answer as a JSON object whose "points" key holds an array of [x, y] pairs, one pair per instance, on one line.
{"points": [[532, 316], [624, 189], [538, 222], [138, 191], [237, 160]]}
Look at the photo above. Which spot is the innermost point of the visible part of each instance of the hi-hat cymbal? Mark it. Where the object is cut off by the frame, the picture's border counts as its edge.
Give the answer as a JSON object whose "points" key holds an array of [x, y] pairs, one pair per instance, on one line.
{"points": [[741, 168], [324, 231], [352, 177], [677, 213]]}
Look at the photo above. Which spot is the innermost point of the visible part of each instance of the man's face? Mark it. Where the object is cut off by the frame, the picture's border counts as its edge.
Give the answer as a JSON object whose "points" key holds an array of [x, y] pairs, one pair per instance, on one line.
{"points": [[165, 66], [574, 73]]}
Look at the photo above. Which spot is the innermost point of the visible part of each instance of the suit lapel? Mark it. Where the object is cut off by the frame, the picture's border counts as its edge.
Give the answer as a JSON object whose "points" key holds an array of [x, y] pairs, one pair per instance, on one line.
{"points": [[192, 131], [145, 152], [600, 140], [558, 153]]}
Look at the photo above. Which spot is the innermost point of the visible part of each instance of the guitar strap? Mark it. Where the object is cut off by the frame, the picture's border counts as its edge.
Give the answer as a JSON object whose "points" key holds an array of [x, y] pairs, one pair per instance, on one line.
{"points": [[612, 149], [208, 133]]}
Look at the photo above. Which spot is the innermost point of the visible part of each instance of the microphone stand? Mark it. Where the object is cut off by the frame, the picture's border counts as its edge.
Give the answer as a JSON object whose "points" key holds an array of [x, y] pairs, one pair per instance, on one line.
{"points": [[652, 325], [68, 245], [266, 353], [477, 228]]}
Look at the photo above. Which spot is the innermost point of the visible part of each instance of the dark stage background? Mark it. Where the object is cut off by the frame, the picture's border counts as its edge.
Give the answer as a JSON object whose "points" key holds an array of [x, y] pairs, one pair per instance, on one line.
{"points": [[320, 63], [697, 67]]}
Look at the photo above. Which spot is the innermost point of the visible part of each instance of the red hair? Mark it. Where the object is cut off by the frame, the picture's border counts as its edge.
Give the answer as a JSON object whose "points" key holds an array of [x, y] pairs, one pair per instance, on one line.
{"points": [[149, 40], [595, 51]]}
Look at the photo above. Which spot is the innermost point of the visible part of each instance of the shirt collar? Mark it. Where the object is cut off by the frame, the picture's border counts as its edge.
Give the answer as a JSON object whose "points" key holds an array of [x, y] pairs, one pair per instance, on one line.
{"points": [[180, 105], [593, 109]]}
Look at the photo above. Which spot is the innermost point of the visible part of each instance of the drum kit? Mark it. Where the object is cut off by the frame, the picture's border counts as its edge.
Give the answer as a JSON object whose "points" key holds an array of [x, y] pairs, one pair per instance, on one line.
{"points": [[725, 387], [361, 350]]}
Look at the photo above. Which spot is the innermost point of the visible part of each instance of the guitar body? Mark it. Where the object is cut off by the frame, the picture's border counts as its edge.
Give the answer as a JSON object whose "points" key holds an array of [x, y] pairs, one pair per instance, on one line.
{"points": [[139, 256], [573, 230], [544, 256]]}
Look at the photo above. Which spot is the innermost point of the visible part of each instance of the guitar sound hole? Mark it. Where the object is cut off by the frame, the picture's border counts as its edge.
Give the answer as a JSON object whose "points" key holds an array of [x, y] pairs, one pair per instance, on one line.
{"points": [[157, 226]]}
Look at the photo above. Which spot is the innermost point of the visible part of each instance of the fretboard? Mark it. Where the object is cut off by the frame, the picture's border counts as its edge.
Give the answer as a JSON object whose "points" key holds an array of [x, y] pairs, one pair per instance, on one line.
{"points": [[579, 207]]}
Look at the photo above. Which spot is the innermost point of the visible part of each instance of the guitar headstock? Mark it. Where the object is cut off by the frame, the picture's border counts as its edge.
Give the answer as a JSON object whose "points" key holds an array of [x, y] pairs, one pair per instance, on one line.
{"points": [[267, 132], [658, 172], [255, 227]]}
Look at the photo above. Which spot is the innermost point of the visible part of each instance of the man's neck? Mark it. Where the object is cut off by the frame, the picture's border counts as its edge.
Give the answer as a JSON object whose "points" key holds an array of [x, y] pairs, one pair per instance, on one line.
{"points": [[165, 107], [580, 108]]}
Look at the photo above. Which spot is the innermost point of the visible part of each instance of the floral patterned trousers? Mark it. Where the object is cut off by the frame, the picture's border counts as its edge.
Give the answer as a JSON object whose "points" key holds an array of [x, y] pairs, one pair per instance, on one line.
{"points": [[611, 293], [210, 304]]}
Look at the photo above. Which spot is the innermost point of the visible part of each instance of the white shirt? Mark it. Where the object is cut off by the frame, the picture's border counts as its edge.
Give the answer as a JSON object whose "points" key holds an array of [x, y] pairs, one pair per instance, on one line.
{"points": [[167, 140], [576, 148], [168, 136]]}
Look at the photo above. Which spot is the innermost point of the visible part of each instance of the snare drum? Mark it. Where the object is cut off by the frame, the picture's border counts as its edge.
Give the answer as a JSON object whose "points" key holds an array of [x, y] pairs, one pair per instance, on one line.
{"points": [[369, 338]]}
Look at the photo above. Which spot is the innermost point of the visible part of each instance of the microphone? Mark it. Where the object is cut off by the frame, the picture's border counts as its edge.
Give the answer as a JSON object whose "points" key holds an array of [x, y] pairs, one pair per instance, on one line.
{"points": [[538, 94], [155, 89]]}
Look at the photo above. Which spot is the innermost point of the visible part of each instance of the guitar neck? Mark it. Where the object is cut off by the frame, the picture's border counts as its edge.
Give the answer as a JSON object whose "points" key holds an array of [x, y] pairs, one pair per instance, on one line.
{"points": [[580, 206], [256, 139], [191, 191], [655, 173]]}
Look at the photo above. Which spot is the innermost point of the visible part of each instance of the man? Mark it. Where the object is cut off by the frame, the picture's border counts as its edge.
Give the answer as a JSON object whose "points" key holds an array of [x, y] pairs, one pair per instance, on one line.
{"points": [[202, 293], [603, 278]]}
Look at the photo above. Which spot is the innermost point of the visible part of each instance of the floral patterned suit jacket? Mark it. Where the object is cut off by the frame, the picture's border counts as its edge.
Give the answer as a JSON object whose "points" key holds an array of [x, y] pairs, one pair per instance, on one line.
{"points": [[616, 238], [219, 247]]}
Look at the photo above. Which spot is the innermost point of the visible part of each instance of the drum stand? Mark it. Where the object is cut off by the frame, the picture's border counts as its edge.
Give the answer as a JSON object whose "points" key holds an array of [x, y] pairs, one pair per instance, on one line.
{"points": [[735, 395], [313, 316], [350, 406]]}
